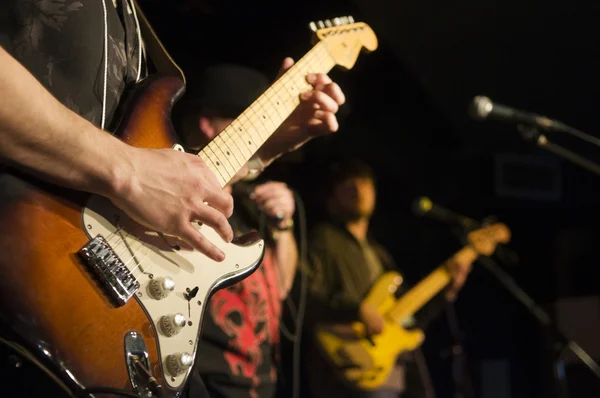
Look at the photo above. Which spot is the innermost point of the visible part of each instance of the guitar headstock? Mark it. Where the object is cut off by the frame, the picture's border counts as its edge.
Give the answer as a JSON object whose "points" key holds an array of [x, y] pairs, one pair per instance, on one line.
{"points": [[345, 39], [485, 239]]}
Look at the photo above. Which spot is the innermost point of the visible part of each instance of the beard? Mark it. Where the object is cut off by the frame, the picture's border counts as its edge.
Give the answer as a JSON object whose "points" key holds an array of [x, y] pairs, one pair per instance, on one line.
{"points": [[353, 215]]}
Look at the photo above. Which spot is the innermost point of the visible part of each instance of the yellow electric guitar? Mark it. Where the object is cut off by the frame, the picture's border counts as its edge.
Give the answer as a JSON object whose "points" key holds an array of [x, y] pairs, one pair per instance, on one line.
{"points": [[366, 361]]}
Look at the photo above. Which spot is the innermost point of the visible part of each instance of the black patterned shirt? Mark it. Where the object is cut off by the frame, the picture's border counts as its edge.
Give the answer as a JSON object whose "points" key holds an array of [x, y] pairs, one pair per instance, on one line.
{"points": [[62, 43]]}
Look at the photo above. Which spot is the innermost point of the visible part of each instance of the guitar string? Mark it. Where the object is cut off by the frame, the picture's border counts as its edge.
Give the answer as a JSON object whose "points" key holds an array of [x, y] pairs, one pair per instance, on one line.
{"points": [[290, 78], [265, 102], [277, 88]]}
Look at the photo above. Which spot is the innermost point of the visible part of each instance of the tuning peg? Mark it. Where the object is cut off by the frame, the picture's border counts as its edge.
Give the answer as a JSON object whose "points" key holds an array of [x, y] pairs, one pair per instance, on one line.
{"points": [[345, 20], [350, 19], [328, 23], [320, 24], [337, 21], [313, 26]]}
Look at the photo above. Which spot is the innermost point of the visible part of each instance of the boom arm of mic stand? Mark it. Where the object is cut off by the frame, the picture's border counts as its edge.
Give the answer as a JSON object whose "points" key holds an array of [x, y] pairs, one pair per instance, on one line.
{"points": [[561, 341], [532, 134]]}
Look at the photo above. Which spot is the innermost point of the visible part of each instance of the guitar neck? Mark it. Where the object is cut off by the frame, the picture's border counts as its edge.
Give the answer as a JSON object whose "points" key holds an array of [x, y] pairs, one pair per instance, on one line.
{"points": [[424, 291], [229, 151]]}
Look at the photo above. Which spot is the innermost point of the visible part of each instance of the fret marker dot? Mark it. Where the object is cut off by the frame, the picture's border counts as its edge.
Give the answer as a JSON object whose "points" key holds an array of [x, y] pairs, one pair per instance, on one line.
{"points": [[218, 164], [250, 143], [227, 153], [264, 117]]}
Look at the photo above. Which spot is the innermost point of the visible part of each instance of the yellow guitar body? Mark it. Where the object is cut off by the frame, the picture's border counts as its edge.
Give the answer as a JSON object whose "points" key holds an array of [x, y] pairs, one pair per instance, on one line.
{"points": [[367, 362]]}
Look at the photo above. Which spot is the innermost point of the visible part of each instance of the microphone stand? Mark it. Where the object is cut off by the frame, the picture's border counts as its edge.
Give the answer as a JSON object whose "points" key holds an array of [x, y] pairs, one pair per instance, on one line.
{"points": [[560, 342], [463, 388], [532, 134]]}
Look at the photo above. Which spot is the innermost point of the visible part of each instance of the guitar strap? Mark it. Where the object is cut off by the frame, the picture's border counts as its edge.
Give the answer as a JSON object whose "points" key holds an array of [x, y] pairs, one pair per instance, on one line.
{"points": [[161, 59]]}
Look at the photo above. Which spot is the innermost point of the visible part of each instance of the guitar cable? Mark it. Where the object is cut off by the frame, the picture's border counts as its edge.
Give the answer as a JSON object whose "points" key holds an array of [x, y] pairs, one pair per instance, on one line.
{"points": [[303, 238], [89, 392], [296, 337]]}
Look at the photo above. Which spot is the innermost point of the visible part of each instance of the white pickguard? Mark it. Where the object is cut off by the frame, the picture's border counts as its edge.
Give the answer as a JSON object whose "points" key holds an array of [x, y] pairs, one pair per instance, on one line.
{"points": [[146, 254]]}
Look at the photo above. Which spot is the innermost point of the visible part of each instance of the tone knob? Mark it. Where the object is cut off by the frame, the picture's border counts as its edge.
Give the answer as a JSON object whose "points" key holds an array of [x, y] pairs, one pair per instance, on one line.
{"points": [[179, 363], [172, 324], [161, 287]]}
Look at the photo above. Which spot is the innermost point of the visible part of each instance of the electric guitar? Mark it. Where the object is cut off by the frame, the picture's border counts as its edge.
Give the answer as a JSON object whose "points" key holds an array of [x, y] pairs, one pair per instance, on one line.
{"points": [[102, 303], [365, 362]]}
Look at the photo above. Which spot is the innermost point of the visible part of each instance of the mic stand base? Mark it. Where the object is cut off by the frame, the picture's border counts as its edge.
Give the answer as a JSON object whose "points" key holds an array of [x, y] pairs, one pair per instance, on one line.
{"points": [[560, 341], [532, 134]]}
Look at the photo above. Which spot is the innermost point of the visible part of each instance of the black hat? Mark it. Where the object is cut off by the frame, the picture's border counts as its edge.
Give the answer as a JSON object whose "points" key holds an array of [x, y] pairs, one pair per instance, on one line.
{"points": [[225, 90]]}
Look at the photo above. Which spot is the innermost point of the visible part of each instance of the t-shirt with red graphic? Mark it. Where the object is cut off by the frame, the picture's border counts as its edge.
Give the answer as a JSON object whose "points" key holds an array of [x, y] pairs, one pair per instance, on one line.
{"points": [[238, 353]]}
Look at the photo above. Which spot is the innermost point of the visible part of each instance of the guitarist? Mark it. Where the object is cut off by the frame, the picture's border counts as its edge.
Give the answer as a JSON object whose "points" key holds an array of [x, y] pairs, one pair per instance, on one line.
{"points": [[239, 350], [344, 263], [64, 67]]}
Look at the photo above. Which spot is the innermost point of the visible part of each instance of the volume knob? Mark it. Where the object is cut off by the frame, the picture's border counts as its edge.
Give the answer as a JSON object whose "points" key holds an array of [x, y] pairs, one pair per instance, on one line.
{"points": [[172, 324], [179, 363], [161, 287]]}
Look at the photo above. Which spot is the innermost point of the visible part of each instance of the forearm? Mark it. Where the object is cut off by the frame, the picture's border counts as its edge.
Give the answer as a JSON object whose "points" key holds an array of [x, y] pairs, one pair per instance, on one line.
{"points": [[278, 145], [42, 136], [286, 257]]}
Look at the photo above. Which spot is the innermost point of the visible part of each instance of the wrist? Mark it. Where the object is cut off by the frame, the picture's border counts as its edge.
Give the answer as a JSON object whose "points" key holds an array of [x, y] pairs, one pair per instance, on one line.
{"points": [[118, 180], [255, 164], [266, 155], [284, 225]]}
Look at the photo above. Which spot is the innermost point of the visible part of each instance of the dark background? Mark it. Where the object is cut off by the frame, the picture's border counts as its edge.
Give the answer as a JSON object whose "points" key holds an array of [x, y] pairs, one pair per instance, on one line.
{"points": [[406, 114]]}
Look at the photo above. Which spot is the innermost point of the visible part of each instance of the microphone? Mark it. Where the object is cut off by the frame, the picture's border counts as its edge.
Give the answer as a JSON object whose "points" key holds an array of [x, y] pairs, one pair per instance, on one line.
{"points": [[423, 206], [482, 108]]}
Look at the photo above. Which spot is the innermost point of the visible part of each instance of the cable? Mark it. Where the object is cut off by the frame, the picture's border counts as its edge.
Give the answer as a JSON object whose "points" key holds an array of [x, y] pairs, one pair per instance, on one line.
{"points": [[262, 228], [109, 390], [139, 38], [302, 303], [296, 337], [105, 65]]}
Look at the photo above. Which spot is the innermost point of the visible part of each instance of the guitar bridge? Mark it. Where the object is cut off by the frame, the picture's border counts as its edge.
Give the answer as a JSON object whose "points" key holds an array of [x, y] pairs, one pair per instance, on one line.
{"points": [[115, 277]]}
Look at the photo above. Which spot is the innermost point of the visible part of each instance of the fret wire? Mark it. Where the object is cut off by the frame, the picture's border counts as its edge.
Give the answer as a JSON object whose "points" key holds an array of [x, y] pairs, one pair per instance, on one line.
{"points": [[270, 96], [271, 112], [212, 153], [262, 119], [209, 163], [225, 137], [235, 147], [243, 135], [250, 136], [284, 96], [204, 158], [215, 159], [207, 160], [225, 157], [286, 92], [252, 128], [294, 79], [287, 78]]}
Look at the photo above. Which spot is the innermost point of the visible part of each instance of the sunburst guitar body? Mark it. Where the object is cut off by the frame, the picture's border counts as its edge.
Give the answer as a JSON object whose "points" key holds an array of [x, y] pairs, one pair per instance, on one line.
{"points": [[101, 303]]}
